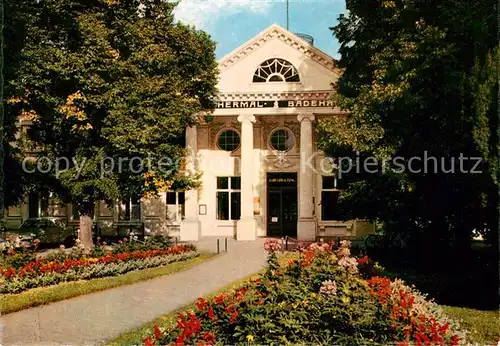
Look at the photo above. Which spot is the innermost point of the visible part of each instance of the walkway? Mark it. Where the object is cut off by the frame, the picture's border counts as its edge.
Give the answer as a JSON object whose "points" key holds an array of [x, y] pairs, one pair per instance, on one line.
{"points": [[101, 316]]}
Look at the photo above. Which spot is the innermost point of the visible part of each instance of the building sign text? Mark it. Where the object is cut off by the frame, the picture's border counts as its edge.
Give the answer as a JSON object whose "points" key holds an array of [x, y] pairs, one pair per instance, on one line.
{"points": [[274, 104]]}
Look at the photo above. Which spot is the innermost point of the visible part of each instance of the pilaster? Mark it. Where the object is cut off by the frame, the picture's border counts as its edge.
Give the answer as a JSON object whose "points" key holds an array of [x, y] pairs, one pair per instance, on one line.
{"points": [[246, 226], [306, 227]]}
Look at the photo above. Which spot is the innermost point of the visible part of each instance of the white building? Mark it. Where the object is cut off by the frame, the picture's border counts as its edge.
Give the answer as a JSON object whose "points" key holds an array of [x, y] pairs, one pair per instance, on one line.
{"points": [[261, 172]]}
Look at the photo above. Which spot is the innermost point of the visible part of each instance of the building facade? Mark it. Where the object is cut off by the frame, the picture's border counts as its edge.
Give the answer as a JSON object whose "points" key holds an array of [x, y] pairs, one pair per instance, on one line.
{"points": [[262, 174]]}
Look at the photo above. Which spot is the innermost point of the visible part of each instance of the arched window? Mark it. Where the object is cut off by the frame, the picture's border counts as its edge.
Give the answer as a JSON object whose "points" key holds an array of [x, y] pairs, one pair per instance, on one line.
{"points": [[276, 70]]}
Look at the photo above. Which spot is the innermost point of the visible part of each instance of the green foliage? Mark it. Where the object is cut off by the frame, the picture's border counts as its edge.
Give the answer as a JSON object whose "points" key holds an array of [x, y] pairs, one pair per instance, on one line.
{"points": [[32, 298], [419, 77], [318, 297], [150, 243], [22, 273], [123, 81]]}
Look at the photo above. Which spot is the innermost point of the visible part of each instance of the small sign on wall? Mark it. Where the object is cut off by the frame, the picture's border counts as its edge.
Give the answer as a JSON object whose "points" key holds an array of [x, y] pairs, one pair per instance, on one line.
{"points": [[202, 209], [274, 219], [256, 206]]}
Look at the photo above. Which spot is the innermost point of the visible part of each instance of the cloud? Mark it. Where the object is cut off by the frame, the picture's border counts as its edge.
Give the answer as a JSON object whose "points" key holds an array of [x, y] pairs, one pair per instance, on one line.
{"points": [[204, 13]]}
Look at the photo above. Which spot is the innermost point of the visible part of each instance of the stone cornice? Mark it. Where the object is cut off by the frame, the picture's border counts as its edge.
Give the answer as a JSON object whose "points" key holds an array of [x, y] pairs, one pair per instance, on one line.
{"points": [[266, 95], [275, 31]]}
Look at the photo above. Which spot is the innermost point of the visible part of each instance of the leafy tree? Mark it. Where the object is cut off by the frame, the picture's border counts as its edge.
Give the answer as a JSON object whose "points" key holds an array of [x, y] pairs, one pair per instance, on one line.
{"points": [[112, 86], [14, 31], [2, 155], [420, 79]]}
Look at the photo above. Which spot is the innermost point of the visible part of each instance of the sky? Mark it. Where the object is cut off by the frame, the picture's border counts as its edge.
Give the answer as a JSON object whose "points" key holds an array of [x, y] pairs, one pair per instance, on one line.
{"points": [[232, 22]]}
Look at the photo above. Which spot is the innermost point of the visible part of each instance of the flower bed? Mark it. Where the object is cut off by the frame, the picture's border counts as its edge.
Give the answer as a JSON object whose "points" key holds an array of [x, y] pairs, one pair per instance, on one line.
{"points": [[69, 267], [323, 296]]}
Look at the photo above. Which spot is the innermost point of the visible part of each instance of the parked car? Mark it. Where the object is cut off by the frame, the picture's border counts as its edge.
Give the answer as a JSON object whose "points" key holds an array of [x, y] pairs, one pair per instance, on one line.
{"points": [[49, 230]]}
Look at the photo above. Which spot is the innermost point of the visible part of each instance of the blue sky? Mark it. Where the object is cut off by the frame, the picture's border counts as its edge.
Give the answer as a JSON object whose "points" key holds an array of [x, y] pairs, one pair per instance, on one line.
{"points": [[233, 22]]}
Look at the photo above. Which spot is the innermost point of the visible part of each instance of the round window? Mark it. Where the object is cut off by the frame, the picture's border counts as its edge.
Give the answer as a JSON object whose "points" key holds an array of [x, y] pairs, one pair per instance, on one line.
{"points": [[281, 140], [229, 140]]}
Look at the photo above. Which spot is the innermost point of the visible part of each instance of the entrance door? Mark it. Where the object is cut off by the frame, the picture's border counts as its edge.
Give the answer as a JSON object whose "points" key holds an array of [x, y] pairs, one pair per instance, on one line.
{"points": [[282, 204]]}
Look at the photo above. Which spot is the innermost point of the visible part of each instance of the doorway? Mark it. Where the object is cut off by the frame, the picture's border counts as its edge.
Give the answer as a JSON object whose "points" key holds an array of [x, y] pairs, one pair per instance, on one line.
{"points": [[282, 207]]}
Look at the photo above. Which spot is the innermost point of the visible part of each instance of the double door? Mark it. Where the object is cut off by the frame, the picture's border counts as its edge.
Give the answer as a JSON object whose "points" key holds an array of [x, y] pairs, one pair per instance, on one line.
{"points": [[282, 211]]}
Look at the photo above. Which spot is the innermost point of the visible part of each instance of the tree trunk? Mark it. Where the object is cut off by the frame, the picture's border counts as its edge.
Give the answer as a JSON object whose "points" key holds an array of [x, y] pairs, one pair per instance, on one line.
{"points": [[85, 234]]}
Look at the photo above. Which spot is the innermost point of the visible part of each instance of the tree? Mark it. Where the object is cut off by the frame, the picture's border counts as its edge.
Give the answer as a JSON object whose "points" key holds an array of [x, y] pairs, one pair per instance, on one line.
{"points": [[420, 81], [112, 86], [13, 38], [2, 154]]}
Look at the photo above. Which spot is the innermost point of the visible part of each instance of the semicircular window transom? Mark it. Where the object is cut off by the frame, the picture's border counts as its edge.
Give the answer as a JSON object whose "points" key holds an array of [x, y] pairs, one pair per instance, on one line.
{"points": [[276, 70]]}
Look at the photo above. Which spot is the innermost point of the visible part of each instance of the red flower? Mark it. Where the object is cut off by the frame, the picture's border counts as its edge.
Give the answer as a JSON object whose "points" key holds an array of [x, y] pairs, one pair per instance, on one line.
{"points": [[180, 340], [201, 303], [455, 340], [220, 299], [211, 314], [10, 272], [209, 338], [363, 260], [148, 342], [234, 316], [158, 333]]}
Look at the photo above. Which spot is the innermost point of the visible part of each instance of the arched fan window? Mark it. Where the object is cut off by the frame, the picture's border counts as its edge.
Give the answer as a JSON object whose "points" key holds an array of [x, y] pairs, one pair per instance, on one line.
{"points": [[276, 70]]}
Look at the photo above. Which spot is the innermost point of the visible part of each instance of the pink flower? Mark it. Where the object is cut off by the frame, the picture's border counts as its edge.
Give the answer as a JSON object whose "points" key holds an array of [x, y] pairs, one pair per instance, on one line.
{"points": [[345, 243], [328, 288], [344, 252], [272, 245], [350, 264]]}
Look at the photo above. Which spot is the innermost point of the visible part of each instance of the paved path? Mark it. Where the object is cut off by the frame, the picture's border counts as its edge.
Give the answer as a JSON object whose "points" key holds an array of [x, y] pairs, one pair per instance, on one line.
{"points": [[101, 316]]}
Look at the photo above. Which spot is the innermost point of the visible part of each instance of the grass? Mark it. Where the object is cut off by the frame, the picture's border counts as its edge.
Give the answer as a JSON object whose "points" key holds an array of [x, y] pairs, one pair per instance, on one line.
{"points": [[483, 326], [46, 295]]}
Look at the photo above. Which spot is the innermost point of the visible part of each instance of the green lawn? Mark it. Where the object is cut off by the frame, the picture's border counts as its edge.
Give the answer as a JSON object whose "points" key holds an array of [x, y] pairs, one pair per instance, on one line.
{"points": [[46, 295], [483, 326]]}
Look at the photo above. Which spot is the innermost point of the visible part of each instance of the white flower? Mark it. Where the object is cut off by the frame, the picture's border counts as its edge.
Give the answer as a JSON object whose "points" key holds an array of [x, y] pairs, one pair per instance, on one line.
{"points": [[350, 264], [344, 252], [328, 287], [345, 243]]}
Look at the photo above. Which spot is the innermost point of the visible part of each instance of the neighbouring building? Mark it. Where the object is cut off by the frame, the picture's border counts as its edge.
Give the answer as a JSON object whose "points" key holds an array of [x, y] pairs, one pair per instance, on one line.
{"points": [[262, 174]]}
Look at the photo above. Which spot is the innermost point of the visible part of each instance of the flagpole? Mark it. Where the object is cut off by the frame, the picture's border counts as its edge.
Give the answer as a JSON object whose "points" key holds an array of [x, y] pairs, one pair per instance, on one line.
{"points": [[287, 20]]}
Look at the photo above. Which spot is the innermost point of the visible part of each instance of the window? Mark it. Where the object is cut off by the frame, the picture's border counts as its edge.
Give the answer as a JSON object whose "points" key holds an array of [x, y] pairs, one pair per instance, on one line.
{"points": [[38, 206], [76, 214], [282, 140], [329, 198], [228, 198], [276, 70], [33, 210], [131, 210], [229, 140], [175, 205]]}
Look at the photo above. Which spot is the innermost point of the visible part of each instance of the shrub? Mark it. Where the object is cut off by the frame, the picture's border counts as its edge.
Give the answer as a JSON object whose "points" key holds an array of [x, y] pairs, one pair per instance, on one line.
{"points": [[321, 296], [62, 267]]}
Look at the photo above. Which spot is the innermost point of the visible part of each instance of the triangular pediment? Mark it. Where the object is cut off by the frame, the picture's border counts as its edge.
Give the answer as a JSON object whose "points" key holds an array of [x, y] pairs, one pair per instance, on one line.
{"points": [[317, 69]]}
